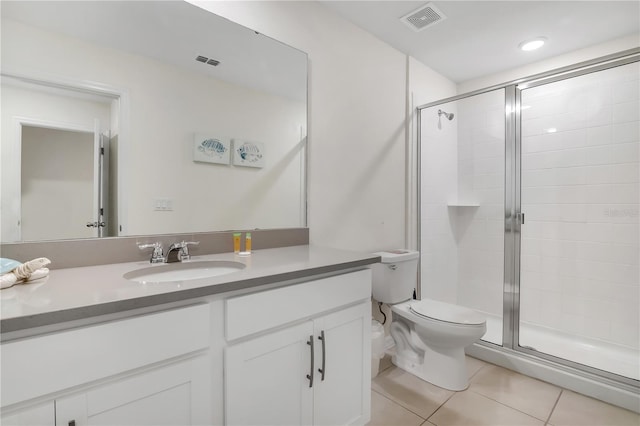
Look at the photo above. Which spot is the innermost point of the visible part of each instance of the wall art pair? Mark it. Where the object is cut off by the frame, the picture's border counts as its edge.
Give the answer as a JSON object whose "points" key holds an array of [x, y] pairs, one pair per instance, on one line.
{"points": [[217, 150]]}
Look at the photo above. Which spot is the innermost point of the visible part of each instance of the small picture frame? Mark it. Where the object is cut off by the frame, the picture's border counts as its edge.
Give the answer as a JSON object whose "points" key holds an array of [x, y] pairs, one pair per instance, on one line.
{"points": [[211, 149], [248, 154]]}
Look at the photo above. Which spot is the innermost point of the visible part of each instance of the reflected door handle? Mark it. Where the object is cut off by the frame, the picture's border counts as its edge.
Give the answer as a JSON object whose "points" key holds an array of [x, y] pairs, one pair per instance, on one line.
{"points": [[96, 224]]}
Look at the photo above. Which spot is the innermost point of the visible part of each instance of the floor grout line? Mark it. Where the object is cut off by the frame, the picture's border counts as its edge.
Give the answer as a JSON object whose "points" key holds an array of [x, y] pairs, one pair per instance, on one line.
{"points": [[398, 404], [505, 405], [514, 408], [441, 405], [554, 406]]}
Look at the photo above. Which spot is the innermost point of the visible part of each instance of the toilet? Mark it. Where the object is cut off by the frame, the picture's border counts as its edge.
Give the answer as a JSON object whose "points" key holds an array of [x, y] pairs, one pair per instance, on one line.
{"points": [[430, 336]]}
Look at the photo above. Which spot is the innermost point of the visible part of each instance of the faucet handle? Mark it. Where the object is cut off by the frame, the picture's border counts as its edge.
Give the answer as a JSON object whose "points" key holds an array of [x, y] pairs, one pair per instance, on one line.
{"points": [[184, 252], [189, 243], [158, 255]]}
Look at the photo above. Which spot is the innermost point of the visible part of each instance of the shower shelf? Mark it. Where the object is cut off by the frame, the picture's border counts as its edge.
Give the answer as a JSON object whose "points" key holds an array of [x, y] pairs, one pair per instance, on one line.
{"points": [[463, 204]]}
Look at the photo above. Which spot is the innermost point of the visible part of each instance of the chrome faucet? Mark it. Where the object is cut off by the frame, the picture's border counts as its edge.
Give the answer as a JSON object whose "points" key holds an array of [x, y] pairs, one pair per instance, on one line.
{"points": [[179, 252]]}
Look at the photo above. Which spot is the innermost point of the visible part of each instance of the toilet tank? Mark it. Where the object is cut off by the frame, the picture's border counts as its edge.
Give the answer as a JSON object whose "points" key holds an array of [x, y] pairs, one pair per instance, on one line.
{"points": [[396, 276]]}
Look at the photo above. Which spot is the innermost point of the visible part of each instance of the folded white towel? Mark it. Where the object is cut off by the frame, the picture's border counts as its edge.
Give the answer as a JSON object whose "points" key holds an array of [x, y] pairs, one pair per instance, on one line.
{"points": [[7, 280], [28, 271], [10, 279]]}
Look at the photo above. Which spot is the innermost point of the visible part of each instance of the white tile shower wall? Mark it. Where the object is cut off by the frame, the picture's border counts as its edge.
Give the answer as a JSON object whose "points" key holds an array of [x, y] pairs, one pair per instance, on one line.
{"points": [[580, 193], [439, 181], [480, 230]]}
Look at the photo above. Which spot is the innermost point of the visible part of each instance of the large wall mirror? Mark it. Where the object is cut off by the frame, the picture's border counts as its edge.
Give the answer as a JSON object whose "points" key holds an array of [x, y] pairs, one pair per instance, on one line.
{"points": [[151, 117]]}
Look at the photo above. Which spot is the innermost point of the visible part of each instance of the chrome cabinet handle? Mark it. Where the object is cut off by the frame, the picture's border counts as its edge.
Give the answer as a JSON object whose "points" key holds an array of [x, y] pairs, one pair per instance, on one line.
{"points": [[310, 376], [323, 370]]}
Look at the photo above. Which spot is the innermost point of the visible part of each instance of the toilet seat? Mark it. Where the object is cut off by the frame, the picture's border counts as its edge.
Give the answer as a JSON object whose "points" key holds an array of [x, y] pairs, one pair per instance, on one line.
{"points": [[446, 312]]}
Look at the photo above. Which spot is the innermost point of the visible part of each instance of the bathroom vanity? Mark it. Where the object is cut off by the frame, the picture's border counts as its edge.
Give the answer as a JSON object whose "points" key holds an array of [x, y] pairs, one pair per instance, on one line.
{"points": [[286, 340]]}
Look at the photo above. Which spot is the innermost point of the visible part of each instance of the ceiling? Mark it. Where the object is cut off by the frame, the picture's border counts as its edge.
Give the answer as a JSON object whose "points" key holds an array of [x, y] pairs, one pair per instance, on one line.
{"points": [[480, 38]]}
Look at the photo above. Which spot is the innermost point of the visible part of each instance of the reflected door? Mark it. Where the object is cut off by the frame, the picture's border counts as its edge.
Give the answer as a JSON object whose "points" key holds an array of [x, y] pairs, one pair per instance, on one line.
{"points": [[58, 184]]}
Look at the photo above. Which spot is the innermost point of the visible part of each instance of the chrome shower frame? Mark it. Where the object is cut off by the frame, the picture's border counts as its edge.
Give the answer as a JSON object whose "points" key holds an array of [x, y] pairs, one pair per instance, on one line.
{"points": [[601, 384]]}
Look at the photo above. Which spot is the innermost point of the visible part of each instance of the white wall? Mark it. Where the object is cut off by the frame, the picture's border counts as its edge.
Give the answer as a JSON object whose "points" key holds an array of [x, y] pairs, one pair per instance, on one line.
{"points": [[357, 121], [163, 119]]}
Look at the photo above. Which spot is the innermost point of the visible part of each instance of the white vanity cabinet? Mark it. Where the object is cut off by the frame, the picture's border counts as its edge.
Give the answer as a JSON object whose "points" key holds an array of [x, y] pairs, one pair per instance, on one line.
{"points": [[43, 414], [152, 369], [164, 396], [296, 353], [300, 354]]}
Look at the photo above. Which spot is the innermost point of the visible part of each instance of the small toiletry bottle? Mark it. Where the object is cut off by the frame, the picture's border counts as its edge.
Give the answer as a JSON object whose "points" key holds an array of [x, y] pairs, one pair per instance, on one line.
{"points": [[236, 242], [247, 243]]}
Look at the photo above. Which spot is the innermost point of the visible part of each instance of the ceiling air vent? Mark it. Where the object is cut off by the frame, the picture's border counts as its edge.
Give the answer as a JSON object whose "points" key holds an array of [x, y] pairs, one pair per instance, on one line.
{"points": [[206, 60], [423, 17]]}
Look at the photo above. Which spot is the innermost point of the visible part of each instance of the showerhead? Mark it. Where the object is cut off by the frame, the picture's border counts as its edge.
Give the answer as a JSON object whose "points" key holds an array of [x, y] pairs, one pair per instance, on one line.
{"points": [[446, 114]]}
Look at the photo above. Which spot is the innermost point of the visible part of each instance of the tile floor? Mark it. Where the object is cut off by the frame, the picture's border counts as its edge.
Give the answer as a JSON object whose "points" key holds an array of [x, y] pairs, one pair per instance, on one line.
{"points": [[496, 396]]}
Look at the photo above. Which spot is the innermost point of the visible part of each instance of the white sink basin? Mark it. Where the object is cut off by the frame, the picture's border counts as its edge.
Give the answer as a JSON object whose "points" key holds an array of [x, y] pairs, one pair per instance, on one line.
{"points": [[184, 271]]}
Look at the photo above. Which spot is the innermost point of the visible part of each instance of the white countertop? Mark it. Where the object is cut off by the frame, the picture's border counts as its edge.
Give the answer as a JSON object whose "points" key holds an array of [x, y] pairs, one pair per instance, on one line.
{"points": [[77, 293]]}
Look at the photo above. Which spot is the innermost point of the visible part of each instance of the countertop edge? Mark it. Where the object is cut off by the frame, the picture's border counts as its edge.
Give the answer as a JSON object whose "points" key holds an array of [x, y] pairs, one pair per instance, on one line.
{"points": [[17, 324]]}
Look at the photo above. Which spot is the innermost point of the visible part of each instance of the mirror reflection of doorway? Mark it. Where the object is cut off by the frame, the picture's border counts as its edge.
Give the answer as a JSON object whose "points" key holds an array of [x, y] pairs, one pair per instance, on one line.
{"points": [[59, 189]]}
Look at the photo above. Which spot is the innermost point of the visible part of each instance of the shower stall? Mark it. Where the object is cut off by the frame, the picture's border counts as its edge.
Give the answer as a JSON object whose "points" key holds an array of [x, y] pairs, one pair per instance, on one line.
{"points": [[528, 212]]}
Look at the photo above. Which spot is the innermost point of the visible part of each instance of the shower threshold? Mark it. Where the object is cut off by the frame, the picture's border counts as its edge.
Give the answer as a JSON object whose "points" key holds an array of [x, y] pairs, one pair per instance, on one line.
{"points": [[617, 359]]}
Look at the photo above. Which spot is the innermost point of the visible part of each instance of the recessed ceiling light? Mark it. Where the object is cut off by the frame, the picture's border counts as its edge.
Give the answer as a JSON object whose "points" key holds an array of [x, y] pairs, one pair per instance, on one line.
{"points": [[534, 44]]}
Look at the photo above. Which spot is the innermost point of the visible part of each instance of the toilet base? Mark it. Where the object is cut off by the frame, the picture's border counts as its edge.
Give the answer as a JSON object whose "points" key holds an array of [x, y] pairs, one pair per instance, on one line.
{"points": [[445, 368]]}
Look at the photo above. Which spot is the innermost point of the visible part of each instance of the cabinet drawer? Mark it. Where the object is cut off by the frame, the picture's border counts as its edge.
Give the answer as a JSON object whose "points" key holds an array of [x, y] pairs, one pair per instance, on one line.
{"points": [[261, 311], [40, 365]]}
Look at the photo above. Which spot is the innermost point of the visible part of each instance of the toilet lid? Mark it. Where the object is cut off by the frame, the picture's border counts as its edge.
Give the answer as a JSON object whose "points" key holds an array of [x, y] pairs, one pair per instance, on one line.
{"points": [[446, 312]]}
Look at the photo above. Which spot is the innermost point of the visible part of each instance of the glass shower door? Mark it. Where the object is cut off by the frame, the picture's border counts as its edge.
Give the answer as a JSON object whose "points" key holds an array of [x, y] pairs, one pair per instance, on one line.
{"points": [[579, 237], [462, 180]]}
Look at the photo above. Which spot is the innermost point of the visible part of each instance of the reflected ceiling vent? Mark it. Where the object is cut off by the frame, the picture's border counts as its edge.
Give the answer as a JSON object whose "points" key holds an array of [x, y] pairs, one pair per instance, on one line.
{"points": [[206, 60], [423, 18]]}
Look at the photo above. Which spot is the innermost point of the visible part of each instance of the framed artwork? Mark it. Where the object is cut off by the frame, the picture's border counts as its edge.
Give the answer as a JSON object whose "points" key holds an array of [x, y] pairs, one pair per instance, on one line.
{"points": [[248, 154], [210, 149]]}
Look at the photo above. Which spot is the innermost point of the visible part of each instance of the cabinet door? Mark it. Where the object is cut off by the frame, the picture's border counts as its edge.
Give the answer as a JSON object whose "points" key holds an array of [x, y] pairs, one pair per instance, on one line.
{"points": [[343, 396], [266, 379], [170, 395], [39, 415]]}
